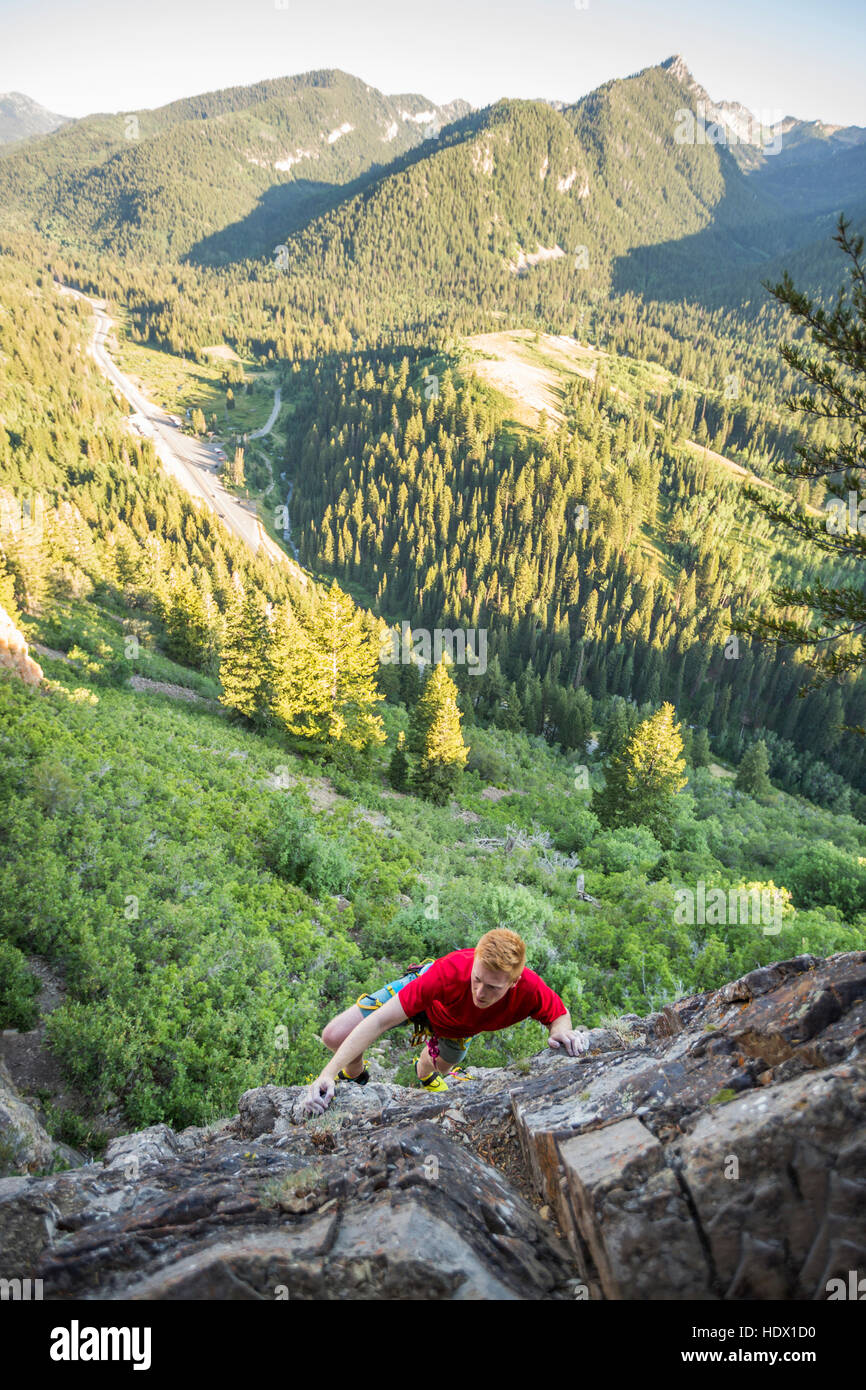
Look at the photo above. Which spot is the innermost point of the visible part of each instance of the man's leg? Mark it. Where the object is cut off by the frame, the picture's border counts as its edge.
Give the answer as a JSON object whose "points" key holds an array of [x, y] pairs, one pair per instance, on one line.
{"points": [[425, 1066], [339, 1028], [337, 1031], [452, 1053]]}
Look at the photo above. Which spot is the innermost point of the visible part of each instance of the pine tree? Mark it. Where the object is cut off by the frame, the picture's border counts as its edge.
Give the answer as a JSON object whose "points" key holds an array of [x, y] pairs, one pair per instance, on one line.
{"points": [[293, 697], [345, 655], [752, 773], [7, 591], [615, 732], [435, 744], [510, 713], [642, 781], [187, 623], [701, 753], [833, 632], [589, 615], [127, 557], [244, 663], [410, 683]]}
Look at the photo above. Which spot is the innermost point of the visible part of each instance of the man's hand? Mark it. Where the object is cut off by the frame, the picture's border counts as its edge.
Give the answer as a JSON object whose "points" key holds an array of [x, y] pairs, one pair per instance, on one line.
{"points": [[319, 1096], [574, 1043]]}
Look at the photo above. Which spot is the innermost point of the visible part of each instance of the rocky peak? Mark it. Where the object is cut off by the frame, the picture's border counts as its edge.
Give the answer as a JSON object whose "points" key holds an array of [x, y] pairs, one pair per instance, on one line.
{"points": [[21, 116], [676, 66], [744, 127], [608, 1176]]}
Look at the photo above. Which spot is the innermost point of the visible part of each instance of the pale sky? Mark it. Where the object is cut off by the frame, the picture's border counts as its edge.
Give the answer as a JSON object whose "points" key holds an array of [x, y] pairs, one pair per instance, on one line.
{"points": [[783, 57]]}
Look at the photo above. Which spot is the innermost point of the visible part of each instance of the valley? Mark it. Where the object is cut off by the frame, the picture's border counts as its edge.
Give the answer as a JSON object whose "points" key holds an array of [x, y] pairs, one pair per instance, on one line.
{"points": [[193, 462]]}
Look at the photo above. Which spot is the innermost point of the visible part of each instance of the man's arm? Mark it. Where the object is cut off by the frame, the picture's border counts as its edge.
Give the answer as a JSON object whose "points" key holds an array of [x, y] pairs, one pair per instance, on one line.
{"points": [[321, 1092], [561, 1034], [554, 1015]]}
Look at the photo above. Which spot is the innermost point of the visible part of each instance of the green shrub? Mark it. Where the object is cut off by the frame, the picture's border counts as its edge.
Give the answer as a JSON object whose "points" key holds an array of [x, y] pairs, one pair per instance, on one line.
{"points": [[18, 990], [303, 856], [823, 875], [687, 866], [631, 848], [581, 827], [67, 1127], [490, 765], [401, 940]]}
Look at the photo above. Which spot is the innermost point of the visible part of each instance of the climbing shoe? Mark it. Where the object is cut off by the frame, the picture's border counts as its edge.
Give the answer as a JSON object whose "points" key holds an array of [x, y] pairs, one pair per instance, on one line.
{"points": [[460, 1074], [433, 1082], [360, 1080]]}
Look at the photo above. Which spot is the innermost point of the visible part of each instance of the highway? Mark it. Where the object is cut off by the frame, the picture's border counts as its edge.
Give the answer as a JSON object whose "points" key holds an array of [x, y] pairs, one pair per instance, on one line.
{"points": [[192, 461]]}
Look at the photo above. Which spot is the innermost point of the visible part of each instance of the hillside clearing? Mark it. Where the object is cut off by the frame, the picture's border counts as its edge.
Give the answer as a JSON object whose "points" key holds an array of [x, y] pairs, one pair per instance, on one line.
{"points": [[530, 369]]}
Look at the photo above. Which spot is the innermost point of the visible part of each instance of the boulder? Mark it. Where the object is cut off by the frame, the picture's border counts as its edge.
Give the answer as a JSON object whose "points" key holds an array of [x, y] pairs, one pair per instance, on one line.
{"points": [[722, 1159], [401, 1212]]}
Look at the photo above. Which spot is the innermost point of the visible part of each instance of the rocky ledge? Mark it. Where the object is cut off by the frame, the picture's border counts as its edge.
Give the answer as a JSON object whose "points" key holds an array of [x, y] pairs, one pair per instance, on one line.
{"points": [[715, 1150]]}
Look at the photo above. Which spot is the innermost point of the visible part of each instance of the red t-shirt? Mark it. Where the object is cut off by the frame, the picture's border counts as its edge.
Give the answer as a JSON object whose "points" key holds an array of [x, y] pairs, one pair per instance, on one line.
{"points": [[444, 994]]}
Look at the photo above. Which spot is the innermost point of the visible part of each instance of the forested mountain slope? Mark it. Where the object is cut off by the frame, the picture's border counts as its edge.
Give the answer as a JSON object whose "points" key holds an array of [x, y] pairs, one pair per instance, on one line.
{"points": [[528, 207], [219, 176], [524, 210]]}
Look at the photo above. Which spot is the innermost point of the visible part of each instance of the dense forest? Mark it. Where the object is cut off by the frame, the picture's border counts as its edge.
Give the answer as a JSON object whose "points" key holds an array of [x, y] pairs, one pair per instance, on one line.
{"points": [[446, 520]]}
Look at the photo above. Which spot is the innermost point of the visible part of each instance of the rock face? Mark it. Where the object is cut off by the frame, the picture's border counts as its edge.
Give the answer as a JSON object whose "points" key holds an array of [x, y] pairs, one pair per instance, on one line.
{"points": [[715, 1150], [13, 652], [24, 1141], [725, 1160]]}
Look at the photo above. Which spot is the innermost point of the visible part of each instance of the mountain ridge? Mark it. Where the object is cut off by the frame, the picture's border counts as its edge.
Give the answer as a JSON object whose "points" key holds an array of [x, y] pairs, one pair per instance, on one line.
{"points": [[228, 175]]}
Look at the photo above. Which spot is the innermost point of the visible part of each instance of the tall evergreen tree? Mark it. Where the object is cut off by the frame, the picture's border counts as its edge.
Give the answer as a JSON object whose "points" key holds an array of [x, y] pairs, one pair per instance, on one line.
{"points": [[398, 768], [294, 698], [7, 591], [188, 623], [435, 743], [345, 654], [701, 753], [244, 661], [642, 781], [752, 773], [615, 732], [833, 635]]}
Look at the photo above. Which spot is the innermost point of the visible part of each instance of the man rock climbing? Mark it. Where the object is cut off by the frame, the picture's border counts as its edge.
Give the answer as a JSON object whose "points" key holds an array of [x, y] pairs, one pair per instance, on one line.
{"points": [[470, 991]]}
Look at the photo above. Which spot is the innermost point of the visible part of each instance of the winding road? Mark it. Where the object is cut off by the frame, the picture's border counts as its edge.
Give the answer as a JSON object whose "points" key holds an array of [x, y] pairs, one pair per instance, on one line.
{"points": [[191, 461], [272, 419]]}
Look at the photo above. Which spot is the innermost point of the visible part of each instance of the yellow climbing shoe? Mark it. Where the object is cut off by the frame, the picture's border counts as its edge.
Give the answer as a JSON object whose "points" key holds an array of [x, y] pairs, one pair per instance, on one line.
{"points": [[360, 1080], [433, 1082]]}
